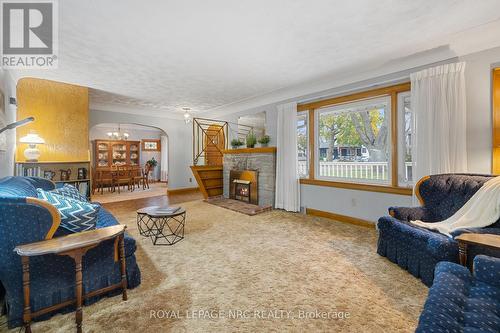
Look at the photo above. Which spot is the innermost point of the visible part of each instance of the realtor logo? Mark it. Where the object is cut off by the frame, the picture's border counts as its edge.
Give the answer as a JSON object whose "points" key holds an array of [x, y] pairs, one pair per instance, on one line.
{"points": [[29, 34]]}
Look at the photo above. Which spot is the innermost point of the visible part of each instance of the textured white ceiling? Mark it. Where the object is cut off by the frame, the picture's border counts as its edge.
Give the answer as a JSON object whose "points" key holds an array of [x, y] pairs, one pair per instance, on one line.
{"points": [[114, 126], [159, 56]]}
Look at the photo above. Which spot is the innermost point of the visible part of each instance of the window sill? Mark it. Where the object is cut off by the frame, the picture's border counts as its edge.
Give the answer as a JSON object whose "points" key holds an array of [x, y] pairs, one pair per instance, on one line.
{"points": [[358, 186]]}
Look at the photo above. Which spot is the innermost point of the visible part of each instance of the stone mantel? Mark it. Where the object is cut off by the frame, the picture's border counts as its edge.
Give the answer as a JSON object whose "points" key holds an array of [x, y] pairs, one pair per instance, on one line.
{"points": [[258, 150], [262, 160]]}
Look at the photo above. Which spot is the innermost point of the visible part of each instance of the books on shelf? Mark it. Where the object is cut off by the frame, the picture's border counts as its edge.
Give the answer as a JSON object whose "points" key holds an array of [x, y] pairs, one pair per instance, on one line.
{"points": [[34, 171]]}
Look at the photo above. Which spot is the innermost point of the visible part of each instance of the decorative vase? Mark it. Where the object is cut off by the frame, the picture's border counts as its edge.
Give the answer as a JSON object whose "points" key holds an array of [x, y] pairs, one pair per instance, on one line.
{"points": [[264, 145]]}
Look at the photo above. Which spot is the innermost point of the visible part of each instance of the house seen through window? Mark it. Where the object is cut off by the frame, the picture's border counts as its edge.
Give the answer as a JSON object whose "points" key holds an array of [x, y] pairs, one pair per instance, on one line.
{"points": [[353, 141]]}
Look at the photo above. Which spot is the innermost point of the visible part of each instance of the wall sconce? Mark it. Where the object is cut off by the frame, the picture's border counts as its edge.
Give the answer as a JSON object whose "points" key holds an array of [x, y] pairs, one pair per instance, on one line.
{"points": [[32, 153]]}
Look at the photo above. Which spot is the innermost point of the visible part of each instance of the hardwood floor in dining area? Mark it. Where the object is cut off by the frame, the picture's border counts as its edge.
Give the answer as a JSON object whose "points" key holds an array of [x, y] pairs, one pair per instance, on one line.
{"points": [[154, 190], [123, 207]]}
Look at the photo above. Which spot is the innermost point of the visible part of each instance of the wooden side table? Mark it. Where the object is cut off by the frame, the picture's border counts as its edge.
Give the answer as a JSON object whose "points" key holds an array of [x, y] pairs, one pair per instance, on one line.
{"points": [[484, 240], [74, 246]]}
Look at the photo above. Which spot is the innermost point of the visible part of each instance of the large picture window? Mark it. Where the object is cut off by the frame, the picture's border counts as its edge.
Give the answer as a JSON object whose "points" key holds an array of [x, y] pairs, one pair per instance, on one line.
{"points": [[405, 126], [353, 141], [359, 141], [302, 145]]}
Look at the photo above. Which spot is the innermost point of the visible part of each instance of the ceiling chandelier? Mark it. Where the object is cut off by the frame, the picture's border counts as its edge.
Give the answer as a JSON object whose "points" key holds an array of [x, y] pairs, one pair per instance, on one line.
{"points": [[118, 135], [187, 115]]}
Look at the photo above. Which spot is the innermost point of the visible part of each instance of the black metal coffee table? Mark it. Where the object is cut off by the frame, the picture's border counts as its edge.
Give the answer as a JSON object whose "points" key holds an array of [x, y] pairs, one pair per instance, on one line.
{"points": [[162, 228]]}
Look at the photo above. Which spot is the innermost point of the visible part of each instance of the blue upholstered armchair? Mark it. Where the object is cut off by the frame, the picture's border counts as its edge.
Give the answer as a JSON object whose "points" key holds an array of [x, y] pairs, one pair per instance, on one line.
{"points": [[418, 250], [26, 219], [461, 302]]}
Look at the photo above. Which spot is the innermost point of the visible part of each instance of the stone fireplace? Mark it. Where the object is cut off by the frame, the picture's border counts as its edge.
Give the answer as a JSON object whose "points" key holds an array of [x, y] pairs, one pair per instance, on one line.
{"points": [[243, 186], [254, 170]]}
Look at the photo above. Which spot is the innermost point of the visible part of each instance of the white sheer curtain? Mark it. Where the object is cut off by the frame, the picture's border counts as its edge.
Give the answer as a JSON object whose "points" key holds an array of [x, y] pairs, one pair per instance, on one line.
{"points": [[438, 102], [164, 159], [287, 180]]}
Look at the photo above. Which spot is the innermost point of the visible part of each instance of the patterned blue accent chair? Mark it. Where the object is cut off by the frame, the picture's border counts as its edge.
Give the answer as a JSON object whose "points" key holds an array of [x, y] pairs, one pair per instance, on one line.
{"points": [[418, 250], [24, 220], [459, 302]]}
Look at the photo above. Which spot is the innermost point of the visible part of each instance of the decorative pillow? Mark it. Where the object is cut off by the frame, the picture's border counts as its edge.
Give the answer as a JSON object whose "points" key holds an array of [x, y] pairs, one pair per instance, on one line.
{"points": [[69, 191], [76, 215]]}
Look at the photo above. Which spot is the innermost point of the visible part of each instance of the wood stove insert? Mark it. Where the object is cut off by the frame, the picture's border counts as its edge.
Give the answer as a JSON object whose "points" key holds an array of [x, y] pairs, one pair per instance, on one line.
{"points": [[243, 186]]}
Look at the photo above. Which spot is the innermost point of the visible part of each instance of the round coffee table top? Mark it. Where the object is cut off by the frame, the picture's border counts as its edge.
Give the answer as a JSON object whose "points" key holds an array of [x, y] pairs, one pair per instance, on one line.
{"points": [[153, 212]]}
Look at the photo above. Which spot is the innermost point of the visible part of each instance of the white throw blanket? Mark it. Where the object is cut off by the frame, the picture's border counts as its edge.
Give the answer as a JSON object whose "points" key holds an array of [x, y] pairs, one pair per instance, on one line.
{"points": [[482, 210]]}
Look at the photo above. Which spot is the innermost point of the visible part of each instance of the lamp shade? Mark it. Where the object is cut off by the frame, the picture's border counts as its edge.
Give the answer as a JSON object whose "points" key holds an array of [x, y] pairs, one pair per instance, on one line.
{"points": [[32, 138]]}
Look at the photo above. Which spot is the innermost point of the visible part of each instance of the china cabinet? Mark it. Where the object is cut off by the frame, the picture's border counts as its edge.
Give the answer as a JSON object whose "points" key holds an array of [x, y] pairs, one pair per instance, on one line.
{"points": [[116, 153]]}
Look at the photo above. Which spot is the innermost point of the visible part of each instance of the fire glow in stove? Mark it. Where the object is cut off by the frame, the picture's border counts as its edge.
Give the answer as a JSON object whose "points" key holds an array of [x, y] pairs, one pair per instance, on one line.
{"points": [[243, 186]]}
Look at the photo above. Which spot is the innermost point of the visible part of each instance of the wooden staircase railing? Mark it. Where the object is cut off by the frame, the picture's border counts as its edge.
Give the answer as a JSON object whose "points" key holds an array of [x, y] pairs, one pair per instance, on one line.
{"points": [[210, 139]]}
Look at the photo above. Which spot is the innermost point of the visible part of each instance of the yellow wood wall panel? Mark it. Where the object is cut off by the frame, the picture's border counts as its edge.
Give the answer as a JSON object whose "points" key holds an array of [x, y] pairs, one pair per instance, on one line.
{"points": [[61, 114], [496, 122]]}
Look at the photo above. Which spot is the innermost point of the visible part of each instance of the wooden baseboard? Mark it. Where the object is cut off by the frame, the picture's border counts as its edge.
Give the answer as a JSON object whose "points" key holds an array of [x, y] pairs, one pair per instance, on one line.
{"points": [[340, 218], [182, 190]]}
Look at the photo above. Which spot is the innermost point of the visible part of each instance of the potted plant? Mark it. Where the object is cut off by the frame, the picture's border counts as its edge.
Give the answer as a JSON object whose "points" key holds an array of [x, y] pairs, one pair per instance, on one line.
{"points": [[235, 143], [251, 140], [264, 141], [152, 163]]}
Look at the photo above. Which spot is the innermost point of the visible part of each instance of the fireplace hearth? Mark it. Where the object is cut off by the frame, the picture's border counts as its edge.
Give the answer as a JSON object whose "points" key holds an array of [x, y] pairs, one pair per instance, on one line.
{"points": [[261, 165], [243, 185]]}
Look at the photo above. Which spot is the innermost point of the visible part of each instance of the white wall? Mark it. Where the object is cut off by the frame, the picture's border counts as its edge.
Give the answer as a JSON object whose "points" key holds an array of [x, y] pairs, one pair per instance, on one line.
{"points": [[136, 134], [478, 74], [8, 86], [371, 205], [179, 142], [361, 204]]}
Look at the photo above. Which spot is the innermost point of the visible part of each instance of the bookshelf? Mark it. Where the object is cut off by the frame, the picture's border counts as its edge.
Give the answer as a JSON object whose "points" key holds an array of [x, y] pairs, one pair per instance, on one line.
{"points": [[52, 171]]}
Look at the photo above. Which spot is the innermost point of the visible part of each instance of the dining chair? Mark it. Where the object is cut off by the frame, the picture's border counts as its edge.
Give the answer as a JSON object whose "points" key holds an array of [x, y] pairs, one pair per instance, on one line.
{"points": [[145, 176], [136, 177], [123, 178], [104, 179]]}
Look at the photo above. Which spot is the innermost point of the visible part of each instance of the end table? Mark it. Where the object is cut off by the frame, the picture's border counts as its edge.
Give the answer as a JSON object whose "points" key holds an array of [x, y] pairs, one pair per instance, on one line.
{"points": [[74, 246], [484, 240]]}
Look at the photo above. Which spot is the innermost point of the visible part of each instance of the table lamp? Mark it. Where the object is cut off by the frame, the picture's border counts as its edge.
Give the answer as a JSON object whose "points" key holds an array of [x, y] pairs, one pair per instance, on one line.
{"points": [[32, 153]]}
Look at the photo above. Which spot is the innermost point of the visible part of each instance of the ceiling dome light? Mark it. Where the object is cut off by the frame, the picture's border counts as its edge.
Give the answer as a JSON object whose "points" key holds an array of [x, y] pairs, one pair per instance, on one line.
{"points": [[187, 115]]}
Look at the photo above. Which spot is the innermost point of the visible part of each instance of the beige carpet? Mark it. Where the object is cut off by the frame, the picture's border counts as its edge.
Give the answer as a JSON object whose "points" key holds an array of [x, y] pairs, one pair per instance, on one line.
{"points": [[258, 264], [155, 189]]}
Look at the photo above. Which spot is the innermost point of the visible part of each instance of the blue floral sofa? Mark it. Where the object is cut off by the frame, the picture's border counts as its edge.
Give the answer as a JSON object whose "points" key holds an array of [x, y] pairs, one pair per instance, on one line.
{"points": [[52, 278], [459, 302], [418, 250]]}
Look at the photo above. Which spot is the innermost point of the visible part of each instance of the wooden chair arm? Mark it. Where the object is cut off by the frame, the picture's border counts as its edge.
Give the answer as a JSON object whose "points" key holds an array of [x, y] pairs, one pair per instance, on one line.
{"points": [[60, 245], [56, 217]]}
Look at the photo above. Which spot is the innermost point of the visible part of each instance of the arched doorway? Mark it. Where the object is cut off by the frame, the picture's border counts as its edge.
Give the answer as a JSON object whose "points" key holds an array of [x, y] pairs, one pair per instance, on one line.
{"points": [[129, 146]]}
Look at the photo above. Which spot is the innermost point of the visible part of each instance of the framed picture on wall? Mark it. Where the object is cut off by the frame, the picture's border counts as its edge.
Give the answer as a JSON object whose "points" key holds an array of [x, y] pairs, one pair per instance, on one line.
{"points": [[151, 145]]}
